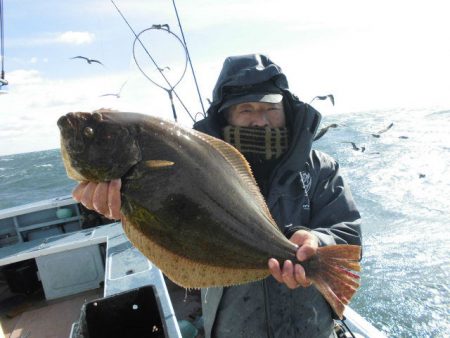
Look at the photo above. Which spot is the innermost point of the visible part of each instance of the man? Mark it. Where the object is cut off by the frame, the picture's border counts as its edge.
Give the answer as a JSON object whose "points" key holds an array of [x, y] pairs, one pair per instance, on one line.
{"points": [[254, 110]]}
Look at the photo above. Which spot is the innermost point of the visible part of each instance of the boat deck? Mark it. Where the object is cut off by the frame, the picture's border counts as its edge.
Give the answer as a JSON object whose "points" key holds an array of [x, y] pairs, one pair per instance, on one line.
{"points": [[34, 316], [21, 316], [125, 269], [51, 313]]}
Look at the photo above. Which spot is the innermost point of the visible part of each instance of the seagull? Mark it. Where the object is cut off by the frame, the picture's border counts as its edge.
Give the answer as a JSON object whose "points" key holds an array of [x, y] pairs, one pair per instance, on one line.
{"points": [[377, 135], [324, 130], [87, 59], [3, 82], [324, 97], [355, 147], [118, 93]]}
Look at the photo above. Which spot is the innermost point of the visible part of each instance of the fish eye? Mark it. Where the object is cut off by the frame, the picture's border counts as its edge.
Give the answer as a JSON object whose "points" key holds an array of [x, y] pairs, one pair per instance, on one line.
{"points": [[88, 132], [97, 116]]}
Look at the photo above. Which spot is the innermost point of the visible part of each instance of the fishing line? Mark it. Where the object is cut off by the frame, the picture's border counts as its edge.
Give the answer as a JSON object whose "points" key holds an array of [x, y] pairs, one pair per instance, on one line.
{"points": [[171, 88], [142, 71]]}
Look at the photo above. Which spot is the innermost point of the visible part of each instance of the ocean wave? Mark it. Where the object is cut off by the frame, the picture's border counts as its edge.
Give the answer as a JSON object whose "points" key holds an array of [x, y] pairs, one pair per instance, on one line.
{"points": [[43, 166]]}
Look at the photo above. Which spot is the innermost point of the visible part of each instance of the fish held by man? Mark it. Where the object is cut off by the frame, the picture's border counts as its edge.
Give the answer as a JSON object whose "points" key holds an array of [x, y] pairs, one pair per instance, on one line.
{"points": [[191, 204]]}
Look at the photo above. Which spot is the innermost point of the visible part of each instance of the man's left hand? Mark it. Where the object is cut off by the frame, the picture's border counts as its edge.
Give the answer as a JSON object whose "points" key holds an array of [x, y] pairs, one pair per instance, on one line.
{"points": [[293, 275]]}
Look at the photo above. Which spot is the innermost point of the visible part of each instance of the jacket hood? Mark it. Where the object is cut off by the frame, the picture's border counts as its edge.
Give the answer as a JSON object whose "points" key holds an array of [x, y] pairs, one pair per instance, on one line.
{"points": [[242, 71], [251, 69], [247, 70]]}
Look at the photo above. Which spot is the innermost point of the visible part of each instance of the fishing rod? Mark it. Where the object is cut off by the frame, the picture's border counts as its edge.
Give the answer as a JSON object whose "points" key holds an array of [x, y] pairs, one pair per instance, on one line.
{"points": [[3, 81], [171, 88], [189, 58]]}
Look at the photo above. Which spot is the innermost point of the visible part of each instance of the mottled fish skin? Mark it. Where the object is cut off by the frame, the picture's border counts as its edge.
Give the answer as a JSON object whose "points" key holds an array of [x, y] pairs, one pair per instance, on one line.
{"points": [[190, 202], [97, 156], [200, 202]]}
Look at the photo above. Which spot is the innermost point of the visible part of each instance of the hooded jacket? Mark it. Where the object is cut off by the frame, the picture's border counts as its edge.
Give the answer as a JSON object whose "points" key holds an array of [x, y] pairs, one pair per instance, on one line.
{"points": [[305, 191]]}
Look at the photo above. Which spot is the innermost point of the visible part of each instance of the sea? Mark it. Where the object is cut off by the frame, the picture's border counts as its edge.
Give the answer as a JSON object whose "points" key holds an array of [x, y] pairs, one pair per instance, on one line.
{"points": [[398, 169]]}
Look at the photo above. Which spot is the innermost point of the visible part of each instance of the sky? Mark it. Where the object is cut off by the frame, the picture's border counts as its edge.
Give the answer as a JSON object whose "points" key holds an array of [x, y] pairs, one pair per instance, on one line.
{"points": [[371, 55]]}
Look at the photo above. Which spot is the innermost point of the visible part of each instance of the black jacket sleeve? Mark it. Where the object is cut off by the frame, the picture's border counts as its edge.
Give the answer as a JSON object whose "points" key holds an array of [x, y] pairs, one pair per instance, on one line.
{"points": [[334, 216]]}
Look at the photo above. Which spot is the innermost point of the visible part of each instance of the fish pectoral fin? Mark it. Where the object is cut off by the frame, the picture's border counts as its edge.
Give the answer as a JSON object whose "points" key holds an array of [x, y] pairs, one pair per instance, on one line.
{"points": [[158, 164], [150, 169]]}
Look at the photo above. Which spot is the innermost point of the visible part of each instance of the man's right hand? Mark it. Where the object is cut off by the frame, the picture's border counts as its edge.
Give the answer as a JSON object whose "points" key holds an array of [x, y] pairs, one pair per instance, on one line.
{"points": [[103, 197]]}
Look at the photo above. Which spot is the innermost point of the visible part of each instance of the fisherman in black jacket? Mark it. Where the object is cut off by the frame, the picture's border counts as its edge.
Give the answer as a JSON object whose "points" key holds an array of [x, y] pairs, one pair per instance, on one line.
{"points": [[254, 110]]}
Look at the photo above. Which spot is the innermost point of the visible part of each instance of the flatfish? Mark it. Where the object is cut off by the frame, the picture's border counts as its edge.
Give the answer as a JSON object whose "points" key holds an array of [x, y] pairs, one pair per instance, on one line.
{"points": [[191, 204]]}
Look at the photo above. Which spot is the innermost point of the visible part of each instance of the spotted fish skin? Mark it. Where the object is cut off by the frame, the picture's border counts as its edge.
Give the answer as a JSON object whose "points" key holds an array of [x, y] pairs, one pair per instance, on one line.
{"points": [[190, 202]]}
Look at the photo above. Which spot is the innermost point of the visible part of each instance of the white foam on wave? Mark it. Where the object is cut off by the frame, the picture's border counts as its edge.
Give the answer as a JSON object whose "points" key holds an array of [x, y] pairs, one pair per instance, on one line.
{"points": [[43, 166]]}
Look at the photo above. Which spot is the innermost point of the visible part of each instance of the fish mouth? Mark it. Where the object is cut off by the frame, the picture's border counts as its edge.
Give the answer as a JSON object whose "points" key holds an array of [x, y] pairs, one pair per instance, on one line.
{"points": [[67, 122], [69, 126]]}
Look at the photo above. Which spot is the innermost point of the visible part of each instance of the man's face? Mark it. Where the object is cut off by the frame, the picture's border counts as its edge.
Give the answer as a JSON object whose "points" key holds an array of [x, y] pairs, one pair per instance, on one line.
{"points": [[257, 114]]}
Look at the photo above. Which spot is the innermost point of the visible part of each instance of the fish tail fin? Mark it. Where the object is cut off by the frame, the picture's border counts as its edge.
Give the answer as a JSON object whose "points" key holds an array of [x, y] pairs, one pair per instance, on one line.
{"points": [[330, 272]]}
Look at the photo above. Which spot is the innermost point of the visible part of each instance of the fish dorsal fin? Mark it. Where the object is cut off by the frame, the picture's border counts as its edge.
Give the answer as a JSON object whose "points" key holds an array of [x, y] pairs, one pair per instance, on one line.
{"points": [[238, 161]]}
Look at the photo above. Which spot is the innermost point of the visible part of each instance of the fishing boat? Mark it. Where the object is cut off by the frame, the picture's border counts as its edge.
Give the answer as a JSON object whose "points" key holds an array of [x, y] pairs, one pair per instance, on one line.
{"points": [[66, 271], [69, 272]]}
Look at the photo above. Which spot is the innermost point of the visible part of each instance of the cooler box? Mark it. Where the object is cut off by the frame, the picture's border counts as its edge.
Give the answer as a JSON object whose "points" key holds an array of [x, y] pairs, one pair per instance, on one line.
{"points": [[134, 313]]}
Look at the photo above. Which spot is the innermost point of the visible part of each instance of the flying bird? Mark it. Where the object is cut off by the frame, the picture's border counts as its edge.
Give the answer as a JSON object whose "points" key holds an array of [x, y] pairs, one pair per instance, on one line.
{"points": [[116, 94], [90, 61], [377, 135], [324, 97], [355, 147], [3, 82], [324, 130]]}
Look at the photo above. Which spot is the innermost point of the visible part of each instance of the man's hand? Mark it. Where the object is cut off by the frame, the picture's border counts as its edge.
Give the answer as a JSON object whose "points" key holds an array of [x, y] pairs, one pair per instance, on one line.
{"points": [[103, 197], [293, 275]]}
